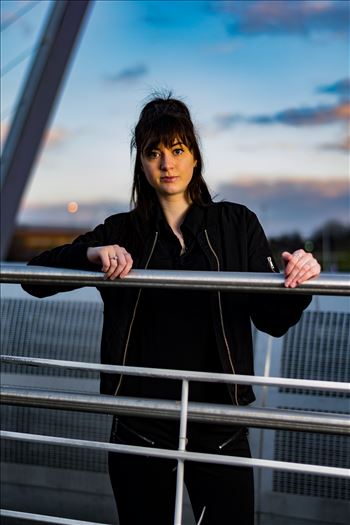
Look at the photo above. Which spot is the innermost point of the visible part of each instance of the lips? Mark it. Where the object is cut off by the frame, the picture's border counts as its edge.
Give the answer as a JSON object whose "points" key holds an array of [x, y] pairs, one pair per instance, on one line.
{"points": [[168, 179]]}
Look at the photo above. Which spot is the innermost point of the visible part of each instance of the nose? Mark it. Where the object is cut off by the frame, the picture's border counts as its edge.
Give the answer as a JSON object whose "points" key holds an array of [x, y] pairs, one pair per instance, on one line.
{"points": [[166, 161]]}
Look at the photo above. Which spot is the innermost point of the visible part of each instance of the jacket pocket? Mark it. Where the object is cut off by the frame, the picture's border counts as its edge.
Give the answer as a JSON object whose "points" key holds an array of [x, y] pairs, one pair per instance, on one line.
{"points": [[237, 441]]}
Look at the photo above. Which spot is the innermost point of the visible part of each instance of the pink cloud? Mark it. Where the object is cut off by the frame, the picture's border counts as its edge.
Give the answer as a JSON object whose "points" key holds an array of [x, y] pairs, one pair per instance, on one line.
{"points": [[303, 17], [291, 204], [53, 137], [56, 136], [343, 145]]}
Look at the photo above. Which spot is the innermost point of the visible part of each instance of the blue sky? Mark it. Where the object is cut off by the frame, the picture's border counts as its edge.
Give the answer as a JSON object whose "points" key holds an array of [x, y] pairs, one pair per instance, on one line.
{"points": [[267, 83]]}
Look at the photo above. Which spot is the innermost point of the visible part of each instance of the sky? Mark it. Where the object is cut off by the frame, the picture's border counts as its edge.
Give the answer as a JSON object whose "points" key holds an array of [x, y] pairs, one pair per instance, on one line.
{"points": [[267, 83]]}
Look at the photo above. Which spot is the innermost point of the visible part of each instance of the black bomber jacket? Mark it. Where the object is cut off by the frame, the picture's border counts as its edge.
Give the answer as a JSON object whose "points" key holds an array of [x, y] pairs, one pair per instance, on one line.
{"points": [[232, 240]]}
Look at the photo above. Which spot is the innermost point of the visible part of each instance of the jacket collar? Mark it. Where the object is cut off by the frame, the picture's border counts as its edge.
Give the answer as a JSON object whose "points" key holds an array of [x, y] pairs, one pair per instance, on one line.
{"points": [[192, 223]]}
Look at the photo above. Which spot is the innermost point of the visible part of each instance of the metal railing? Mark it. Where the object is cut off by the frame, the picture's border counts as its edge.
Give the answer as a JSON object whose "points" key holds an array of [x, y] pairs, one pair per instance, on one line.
{"points": [[225, 414], [247, 282], [256, 417]]}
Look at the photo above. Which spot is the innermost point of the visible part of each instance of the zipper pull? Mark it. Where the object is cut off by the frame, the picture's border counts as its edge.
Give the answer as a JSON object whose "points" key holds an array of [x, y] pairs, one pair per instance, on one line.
{"points": [[272, 266]]}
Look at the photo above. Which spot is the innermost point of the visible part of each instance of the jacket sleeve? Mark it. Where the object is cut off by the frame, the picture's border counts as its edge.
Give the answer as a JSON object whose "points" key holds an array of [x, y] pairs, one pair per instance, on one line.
{"points": [[271, 313], [68, 256]]}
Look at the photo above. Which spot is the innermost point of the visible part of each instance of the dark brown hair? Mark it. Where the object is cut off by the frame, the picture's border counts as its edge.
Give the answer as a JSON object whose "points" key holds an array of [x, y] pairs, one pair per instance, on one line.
{"points": [[162, 120]]}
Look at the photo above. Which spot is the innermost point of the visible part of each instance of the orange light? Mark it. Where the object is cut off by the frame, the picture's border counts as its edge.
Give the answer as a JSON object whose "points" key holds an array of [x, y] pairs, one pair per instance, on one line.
{"points": [[72, 207]]}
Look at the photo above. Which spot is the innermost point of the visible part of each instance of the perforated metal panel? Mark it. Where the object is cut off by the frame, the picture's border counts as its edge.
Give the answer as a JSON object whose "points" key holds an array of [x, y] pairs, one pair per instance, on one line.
{"points": [[52, 330], [318, 347], [316, 449], [76, 425], [55, 330]]}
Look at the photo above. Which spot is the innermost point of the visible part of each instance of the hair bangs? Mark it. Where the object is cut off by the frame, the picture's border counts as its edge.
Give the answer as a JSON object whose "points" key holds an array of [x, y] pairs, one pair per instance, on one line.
{"points": [[167, 130]]}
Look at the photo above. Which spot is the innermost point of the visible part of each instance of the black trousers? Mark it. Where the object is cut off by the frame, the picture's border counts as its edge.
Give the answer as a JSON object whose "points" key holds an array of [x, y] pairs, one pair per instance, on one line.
{"points": [[144, 487]]}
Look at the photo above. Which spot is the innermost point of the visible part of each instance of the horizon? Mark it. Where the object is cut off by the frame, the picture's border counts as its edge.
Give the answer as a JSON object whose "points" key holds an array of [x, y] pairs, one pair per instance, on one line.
{"points": [[297, 211]]}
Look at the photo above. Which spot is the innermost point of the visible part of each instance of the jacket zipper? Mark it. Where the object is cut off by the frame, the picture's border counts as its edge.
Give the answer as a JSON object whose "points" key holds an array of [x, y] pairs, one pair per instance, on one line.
{"points": [[272, 266], [141, 436], [221, 317], [235, 436], [133, 317]]}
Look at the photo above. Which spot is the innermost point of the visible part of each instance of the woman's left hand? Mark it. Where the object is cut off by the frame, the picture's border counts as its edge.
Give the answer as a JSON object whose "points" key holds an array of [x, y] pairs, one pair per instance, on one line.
{"points": [[300, 266]]}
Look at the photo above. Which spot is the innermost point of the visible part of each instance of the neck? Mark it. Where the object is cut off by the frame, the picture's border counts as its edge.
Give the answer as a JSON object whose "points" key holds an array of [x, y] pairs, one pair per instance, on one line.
{"points": [[174, 211]]}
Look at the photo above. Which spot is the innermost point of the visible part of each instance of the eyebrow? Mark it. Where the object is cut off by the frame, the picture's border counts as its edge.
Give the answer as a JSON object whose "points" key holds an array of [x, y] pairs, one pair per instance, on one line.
{"points": [[152, 147]]}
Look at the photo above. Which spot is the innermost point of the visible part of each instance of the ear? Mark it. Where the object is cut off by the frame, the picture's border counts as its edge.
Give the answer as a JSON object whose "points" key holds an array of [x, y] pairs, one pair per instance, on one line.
{"points": [[195, 164]]}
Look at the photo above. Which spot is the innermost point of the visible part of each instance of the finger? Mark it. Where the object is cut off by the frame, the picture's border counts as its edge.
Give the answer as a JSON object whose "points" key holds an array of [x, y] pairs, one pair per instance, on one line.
{"points": [[128, 265], [289, 260], [296, 262], [112, 265], [293, 259], [308, 264], [113, 261], [297, 253], [295, 278], [308, 271], [124, 269], [314, 271], [296, 267], [105, 260], [122, 262]]}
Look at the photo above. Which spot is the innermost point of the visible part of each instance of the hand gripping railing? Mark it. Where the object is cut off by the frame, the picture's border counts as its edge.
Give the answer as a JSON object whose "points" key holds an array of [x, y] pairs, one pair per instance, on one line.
{"points": [[265, 418], [325, 284]]}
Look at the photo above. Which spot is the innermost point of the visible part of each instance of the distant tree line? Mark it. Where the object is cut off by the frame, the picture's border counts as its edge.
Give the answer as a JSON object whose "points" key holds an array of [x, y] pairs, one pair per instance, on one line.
{"points": [[329, 243]]}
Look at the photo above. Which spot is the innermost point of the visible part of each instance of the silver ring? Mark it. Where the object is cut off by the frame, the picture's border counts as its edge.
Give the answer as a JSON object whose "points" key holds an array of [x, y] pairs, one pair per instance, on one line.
{"points": [[113, 258]]}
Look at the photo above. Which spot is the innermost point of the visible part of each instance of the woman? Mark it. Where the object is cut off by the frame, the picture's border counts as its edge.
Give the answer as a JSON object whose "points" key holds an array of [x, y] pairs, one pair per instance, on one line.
{"points": [[175, 225]]}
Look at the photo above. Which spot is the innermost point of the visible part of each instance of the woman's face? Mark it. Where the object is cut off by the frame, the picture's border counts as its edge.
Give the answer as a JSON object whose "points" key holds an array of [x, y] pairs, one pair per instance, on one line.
{"points": [[168, 170]]}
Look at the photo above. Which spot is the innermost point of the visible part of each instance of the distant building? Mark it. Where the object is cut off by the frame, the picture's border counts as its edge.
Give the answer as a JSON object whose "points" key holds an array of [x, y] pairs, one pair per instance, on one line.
{"points": [[28, 241]]}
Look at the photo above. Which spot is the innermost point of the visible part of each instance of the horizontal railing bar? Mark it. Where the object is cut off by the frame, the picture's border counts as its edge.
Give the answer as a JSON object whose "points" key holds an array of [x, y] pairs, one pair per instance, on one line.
{"points": [[325, 284], [42, 518], [177, 454], [209, 377], [199, 412]]}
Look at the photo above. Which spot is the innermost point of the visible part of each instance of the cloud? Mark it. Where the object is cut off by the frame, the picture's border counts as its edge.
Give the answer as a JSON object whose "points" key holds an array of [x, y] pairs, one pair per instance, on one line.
{"points": [[283, 205], [56, 137], [291, 204], [343, 145], [276, 17], [4, 129], [128, 75], [304, 116], [341, 89], [228, 120], [53, 137]]}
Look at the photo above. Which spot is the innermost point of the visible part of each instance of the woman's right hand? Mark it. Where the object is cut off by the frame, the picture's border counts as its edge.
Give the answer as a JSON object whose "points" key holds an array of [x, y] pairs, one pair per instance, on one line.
{"points": [[115, 260]]}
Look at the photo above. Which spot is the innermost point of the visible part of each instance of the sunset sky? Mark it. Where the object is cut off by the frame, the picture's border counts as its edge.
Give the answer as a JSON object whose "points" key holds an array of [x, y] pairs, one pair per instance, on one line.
{"points": [[267, 83]]}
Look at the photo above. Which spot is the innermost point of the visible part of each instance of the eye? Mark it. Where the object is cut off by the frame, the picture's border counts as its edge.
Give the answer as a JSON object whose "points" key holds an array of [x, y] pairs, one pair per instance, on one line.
{"points": [[153, 154], [178, 151]]}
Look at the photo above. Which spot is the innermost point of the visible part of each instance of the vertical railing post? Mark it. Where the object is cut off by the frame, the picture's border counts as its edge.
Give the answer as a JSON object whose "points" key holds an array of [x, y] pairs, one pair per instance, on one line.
{"points": [[182, 447]]}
